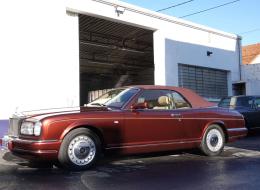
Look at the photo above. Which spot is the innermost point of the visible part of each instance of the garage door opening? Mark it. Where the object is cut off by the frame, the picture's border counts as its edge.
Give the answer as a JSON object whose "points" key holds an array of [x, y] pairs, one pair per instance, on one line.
{"points": [[113, 55]]}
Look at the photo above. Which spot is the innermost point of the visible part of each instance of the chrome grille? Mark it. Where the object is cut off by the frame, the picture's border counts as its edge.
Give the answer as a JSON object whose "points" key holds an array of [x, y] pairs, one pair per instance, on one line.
{"points": [[14, 124]]}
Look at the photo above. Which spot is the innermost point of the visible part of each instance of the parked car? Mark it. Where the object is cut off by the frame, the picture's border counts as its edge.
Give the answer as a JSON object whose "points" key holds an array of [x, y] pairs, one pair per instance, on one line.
{"points": [[248, 106], [140, 119]]}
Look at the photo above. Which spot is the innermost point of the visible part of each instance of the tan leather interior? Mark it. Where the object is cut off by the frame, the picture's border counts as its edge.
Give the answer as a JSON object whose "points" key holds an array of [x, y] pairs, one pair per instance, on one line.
{"points": [[164, 100], [163, 103]]}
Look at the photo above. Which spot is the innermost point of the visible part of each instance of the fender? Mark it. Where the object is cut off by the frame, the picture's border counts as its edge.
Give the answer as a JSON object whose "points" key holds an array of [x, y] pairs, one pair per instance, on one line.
{"points": [[78, 124], [218, 122]]}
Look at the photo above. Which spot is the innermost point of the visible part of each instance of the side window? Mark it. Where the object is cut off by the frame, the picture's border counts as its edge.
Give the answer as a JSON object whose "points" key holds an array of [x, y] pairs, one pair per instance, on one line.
{"points": [[225, 103], [157, 99], [257, 103], [244, 102], [179, 101], [163, 100]]}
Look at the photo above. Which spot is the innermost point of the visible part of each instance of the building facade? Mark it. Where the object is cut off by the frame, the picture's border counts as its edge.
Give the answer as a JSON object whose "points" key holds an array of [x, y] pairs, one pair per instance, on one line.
{"points": [[250, 84], [53, 53]]}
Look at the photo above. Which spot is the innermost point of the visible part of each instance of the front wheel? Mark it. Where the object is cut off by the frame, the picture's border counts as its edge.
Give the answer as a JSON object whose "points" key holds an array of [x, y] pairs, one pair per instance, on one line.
{"points": [[213, 141], [80, 149]]}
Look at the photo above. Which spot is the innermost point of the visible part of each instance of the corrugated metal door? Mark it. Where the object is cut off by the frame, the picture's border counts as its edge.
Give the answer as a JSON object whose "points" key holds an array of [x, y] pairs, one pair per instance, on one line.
{"points": [[207, 82]]}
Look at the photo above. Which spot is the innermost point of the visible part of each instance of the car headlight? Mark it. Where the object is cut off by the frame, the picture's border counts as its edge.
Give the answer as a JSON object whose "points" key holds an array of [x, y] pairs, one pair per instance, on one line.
{"points": [[31, 128]]}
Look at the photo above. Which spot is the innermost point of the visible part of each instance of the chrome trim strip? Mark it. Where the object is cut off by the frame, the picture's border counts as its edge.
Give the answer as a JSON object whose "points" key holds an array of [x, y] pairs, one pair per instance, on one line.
{"points": [[34, 141], [237, 129], [159, 144], [237, 136], [36, 151], [154, 118]]}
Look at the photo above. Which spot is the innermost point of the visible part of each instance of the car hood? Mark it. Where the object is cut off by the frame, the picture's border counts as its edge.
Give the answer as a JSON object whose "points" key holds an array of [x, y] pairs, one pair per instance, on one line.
{"points": [[41, 114]]}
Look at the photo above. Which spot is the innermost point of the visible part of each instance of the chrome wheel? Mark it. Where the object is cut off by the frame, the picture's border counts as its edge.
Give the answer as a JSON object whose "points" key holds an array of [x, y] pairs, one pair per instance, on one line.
{"points": [[81, 150], [214, 140]]}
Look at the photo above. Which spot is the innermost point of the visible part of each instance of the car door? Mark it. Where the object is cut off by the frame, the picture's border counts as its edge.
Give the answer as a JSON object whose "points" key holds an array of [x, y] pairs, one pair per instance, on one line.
{"points": [[191, 127], [256, 115], [244, 105], [158, 123]]}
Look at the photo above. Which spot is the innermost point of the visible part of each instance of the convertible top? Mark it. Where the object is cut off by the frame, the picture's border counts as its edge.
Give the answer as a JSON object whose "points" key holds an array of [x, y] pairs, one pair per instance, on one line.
{"points": [[194, 99]]}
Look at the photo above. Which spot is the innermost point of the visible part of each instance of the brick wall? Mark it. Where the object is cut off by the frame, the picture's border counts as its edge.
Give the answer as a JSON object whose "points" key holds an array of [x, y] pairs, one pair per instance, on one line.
{"points": [[250, 52]]}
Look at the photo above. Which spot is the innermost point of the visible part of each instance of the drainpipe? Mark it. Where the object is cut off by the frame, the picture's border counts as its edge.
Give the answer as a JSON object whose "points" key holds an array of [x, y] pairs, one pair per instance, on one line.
{"points": [[239, 57]]}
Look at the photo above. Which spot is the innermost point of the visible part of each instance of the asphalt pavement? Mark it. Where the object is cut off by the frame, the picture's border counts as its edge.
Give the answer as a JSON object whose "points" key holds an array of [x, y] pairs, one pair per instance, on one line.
{"points": [[237, 168]]}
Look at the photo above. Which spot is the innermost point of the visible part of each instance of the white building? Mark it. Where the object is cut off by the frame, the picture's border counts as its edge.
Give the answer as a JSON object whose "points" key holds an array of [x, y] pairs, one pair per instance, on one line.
{"points": [[250, 80], [54, 52]]}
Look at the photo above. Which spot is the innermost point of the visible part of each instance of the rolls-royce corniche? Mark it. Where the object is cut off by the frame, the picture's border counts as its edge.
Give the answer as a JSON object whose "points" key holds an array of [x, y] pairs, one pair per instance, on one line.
{"points": [[139, 119]]}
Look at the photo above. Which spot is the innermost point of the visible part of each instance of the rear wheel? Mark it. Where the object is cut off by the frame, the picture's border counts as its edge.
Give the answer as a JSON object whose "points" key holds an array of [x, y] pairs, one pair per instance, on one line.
{"points": [[80, 149], [213, 141]]}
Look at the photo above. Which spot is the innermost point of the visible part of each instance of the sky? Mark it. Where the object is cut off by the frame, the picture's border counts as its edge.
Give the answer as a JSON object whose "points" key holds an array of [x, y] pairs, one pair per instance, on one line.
{"points": [[241, 17]]}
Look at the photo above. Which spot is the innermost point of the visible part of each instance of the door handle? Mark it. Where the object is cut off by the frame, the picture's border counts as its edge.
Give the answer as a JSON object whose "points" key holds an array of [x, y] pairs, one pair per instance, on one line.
{"points": [[175, 115]]}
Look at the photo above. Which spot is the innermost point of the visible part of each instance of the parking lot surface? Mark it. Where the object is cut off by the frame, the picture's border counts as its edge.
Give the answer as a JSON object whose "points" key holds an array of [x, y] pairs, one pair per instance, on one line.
{"points": [[237, 168]]}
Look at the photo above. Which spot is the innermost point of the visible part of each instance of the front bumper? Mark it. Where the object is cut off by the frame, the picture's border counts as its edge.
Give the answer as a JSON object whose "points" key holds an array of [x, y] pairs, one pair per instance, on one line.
{"points": [[32, 149]]}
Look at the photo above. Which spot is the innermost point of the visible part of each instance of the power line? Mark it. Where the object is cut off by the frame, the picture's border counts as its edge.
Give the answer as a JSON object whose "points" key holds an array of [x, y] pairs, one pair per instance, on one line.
{"points": [[209, 9], [250, 31], [182, 3]]}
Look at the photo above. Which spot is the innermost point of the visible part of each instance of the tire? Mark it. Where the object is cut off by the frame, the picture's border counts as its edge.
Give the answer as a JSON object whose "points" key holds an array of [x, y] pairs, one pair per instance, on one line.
{"points": [[213, 141], [80, 149]]}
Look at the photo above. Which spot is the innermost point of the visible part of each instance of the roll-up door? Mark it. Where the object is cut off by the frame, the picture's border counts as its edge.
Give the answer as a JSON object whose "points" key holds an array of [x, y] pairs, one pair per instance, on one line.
{"points": [[207, 82]]}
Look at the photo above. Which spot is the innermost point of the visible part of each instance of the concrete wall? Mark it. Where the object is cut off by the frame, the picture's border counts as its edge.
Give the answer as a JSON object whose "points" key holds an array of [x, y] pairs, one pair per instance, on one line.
{"points": [[251, 75], [39, 62], [175, 40]]}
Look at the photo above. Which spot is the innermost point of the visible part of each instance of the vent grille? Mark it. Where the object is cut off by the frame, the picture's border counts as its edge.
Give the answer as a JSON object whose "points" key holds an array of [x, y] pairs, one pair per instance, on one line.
{"points": [[14, 124]]}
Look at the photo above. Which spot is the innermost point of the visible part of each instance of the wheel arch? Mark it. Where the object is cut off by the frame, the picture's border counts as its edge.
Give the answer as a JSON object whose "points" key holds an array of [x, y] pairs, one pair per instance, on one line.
{"points": [[221, 124], [95, 130]]}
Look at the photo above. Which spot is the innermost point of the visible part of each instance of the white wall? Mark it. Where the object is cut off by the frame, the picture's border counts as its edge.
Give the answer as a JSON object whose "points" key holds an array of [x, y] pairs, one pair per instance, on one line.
{"points": [[39, 64], [256, 60], [251, 75], [175, 40]]}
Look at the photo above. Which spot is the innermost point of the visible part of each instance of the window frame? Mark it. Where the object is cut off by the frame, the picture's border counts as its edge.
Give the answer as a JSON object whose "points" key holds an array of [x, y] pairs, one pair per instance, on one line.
{"points": [[171, 92]]}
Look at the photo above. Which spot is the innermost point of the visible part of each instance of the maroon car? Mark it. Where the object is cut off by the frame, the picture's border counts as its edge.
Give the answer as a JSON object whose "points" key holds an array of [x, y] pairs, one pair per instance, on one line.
{"points": [[140, 119]]}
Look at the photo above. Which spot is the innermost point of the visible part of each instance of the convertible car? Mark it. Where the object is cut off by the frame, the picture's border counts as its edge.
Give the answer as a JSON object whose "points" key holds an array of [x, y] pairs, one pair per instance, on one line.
{"points": [[139, 119]]}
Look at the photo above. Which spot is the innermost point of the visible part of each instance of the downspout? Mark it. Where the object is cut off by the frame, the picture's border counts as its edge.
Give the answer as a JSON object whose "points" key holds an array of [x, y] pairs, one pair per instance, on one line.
{"points": [[239, 57]]}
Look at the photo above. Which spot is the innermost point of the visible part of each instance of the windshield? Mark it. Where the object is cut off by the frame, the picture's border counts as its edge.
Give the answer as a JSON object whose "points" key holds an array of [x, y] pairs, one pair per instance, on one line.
{"points": [[227, 102], [106, 97], [122, 98]]}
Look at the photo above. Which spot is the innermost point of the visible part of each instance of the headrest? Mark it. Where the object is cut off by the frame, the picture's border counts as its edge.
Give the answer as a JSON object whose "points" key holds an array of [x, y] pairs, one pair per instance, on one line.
{"points": [[164, 100]]}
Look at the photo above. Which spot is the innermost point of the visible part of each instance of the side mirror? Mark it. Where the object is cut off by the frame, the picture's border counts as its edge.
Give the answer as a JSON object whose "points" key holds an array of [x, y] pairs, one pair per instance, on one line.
{"points": [[137, 106]]}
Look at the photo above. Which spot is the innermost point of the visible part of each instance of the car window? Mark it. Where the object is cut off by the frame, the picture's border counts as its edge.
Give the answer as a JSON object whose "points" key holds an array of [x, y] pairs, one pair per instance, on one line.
{"points": [[106, 97], [163, 100], [122, 98], [225, 102], [257, 102], [179, 101], [244, 102]]}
